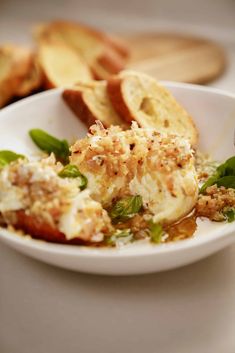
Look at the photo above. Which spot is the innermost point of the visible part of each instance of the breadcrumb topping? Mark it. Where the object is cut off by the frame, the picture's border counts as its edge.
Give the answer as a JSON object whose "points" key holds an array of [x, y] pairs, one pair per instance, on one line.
{"points": [[213, 202], [121, 152]]}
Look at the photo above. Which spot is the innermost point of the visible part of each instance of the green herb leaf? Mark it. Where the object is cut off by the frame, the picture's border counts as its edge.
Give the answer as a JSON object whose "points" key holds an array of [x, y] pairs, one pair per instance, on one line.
{"points": [[156, 232], [226, 181], [224, 176], [72, 171], [120, 237], [51, 144], [126, 208], [7, 157], [230, 215], [227, 168]]}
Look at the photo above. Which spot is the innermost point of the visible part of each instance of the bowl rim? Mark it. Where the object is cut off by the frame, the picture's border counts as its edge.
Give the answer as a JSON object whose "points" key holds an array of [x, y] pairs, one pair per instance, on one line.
{"points": [[132, 251], [126, 252]]}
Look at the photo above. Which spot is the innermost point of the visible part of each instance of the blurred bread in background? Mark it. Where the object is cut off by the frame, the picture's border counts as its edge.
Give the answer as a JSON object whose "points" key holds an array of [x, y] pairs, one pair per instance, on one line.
{"points": [[16, 64], [68, 53], [104, 56]]}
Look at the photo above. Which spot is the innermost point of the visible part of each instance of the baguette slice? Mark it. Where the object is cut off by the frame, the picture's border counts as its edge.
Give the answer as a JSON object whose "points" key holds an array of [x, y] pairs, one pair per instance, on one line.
{"points": [[137, 96], [61, 65], [90, 102], [15, 63], [104, 55]]}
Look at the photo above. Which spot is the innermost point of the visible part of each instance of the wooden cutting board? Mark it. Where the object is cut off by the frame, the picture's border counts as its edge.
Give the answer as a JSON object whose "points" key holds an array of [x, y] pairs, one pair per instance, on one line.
{"points": [[176, 57]]}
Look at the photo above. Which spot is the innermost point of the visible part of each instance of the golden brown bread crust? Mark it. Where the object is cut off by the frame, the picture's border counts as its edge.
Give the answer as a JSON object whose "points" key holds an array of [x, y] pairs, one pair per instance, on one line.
{"points": [[76, 103], [90, 102], [46, 82], [7, 89], [111, 62], [106, 65], [40, 230], [119, 45], [116, 98]]}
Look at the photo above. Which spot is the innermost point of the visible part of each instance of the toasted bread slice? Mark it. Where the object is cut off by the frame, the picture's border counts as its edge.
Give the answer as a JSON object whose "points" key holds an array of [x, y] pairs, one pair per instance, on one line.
{"points": [[90, 102], [32, 81], [136, 96], [15, 63], [61, 65], [104, 55]]}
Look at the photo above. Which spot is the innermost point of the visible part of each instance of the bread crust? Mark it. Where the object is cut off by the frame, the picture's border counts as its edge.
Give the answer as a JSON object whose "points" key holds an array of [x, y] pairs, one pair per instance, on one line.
{"points": [[90, 102], [116, 97], [76, 103], [119, 45], [111, 62]]}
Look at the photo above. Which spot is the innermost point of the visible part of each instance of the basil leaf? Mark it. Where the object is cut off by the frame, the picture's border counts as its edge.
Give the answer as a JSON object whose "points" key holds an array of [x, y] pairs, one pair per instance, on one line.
{"points": [[126, 208], [120, 237], [50, 144], [226, 181], [223, 171], [72, 171], [230, 215], [7, 157], [156, 232], [227, 168]]}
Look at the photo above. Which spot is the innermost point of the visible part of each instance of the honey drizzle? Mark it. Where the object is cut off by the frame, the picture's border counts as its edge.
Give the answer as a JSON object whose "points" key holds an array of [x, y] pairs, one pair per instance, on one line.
{"points": [[183, 229]]}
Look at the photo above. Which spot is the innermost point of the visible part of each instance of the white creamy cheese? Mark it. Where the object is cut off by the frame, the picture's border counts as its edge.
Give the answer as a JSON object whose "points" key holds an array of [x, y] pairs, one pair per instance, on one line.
{"points": [[69, 222], [11, 197]]}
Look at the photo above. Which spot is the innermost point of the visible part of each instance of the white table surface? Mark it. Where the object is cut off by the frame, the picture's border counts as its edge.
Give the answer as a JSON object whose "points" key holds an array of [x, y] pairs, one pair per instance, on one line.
{"points": [[44, 309]]}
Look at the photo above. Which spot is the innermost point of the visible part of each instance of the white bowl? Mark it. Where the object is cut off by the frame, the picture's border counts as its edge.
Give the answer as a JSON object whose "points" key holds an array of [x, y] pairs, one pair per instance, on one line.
{"points": [[214, 115]]}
